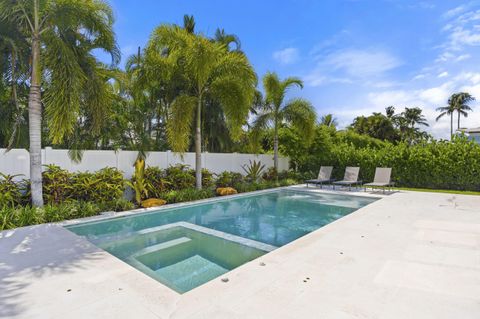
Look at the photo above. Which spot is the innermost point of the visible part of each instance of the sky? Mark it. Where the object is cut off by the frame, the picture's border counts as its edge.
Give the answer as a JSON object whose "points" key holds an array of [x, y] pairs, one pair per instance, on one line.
{"points": [[354, 56]]}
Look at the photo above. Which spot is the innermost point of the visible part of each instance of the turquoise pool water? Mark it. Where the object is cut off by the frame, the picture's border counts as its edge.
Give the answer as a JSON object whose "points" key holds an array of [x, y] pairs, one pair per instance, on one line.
{"points": [[186, 246]]}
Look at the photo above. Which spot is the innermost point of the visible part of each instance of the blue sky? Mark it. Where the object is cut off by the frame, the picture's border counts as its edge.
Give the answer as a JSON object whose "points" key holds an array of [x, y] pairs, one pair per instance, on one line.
{"points": [[355, 56]]}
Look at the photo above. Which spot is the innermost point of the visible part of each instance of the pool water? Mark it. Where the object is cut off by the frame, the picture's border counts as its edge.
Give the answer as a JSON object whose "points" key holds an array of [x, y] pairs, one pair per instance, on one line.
{"points": [[186, 246]]}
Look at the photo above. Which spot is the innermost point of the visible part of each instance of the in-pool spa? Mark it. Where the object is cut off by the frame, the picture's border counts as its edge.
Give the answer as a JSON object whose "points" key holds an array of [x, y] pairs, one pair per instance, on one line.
{"points": [[186, 246]]}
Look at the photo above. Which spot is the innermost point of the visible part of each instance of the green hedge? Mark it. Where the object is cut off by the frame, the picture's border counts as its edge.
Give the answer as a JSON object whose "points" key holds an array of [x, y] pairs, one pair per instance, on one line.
{"points": [[434, 165]]}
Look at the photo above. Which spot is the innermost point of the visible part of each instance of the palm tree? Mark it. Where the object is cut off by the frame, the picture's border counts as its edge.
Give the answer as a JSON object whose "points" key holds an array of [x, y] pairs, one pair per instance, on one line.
{"points": [[329, 120], [62, 35], [13, 58], [189, 23], [227, 39], [274, 111], [390, 112], [227, 77], [461, 106], [448, 110], [414, 116]]}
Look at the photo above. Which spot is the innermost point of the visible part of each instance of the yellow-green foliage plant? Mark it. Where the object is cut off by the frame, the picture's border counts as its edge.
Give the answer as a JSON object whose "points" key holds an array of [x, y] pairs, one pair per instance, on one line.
{"points": [[138, 181]]}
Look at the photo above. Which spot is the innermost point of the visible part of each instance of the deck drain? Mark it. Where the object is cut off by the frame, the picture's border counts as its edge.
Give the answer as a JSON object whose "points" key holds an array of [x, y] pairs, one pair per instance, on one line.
{"points": [[262, 264], [225, 279]]}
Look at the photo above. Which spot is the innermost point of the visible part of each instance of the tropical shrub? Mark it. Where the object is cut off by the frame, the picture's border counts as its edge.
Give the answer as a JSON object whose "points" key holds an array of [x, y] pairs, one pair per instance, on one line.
{"points": [[117, 205], [207, 178], [10, 191], [27, 215], [138, 181], [110, 186], [228, 179], [254, 170], [180, 177], [19, 217], [156, 182], [270, 174], [57, 185], [188, 194]]}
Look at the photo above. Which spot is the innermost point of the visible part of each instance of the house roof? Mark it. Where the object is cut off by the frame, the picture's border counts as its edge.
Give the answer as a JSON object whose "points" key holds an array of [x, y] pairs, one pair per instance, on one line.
{"points": [[470, 130]]}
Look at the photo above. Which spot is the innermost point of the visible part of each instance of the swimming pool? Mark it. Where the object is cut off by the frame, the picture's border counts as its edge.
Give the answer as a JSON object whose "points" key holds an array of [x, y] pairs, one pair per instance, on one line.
{"points": [[184, 247]]}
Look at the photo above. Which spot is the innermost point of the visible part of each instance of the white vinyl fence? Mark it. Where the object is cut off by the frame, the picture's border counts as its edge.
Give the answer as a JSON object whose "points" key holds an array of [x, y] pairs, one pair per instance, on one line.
{"points": [[17, 161]]}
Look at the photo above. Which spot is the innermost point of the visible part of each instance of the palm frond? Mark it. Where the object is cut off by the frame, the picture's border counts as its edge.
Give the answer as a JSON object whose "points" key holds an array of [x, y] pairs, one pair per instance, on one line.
{"points": [[180, 122], [301, 114]]}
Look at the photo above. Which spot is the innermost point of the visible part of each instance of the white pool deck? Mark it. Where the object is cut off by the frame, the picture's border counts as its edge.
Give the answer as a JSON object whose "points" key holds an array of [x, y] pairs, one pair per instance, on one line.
{"points": [[408, 255]]}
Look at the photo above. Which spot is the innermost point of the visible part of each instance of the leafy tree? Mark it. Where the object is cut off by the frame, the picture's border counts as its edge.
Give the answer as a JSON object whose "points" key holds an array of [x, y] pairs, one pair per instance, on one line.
{"points": [[61, 36], [275, 111], [376, 125], [211, 69]]}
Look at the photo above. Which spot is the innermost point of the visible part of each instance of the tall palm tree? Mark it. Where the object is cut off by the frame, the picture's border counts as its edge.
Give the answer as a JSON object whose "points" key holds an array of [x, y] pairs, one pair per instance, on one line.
{"points": [[227, 77], [461, 106], [449, 109], [275, 111], [62, 35], [328, 120]]}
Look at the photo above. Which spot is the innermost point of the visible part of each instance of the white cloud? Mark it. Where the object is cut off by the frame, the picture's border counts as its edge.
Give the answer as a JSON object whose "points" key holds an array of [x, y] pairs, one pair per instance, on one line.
{"points": [[350, 65], [287, 55], [463, 57], [462, 31], [362, 63], [442, 75], [419, 76], [454, 12]]}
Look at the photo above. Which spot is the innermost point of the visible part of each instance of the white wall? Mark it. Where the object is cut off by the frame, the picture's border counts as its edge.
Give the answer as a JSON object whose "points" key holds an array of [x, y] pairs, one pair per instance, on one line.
{"points": [[17, 161]]}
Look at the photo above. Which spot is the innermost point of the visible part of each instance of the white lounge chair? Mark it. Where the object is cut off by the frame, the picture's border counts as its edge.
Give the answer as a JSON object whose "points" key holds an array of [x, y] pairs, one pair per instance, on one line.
{"points": [[382, 179], [350, 178], [324, 176]]}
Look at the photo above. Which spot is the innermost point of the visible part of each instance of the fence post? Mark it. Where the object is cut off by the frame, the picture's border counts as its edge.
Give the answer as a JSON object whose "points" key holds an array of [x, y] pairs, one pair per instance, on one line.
{"points": [[117, 158]]}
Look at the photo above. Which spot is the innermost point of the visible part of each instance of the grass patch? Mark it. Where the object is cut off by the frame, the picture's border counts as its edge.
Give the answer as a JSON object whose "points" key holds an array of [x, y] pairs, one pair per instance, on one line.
{"points": [[446, 191]]}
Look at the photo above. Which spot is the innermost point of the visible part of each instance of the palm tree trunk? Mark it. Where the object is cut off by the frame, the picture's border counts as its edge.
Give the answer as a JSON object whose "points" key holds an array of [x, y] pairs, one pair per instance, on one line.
{"points": [[275, 147], [198, 145], [35, 119], [451, 126], [458, 119]]}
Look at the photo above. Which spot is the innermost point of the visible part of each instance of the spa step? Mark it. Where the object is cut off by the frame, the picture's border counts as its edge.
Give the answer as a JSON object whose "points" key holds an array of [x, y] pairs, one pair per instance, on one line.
{"points": [[164, 245]]}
